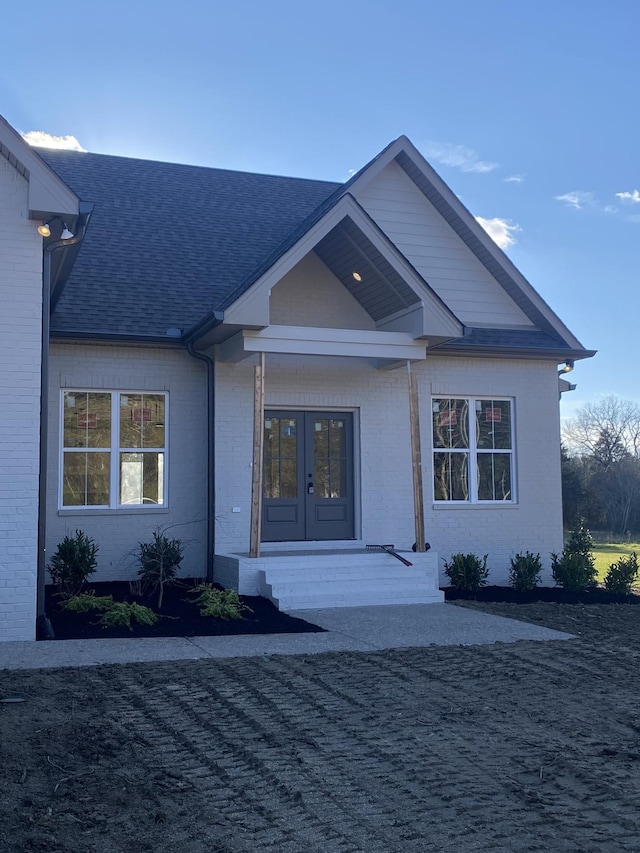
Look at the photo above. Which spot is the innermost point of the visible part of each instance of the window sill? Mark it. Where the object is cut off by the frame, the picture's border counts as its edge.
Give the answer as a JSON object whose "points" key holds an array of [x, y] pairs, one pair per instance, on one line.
{"points": [[140, 510], [443, 505]]}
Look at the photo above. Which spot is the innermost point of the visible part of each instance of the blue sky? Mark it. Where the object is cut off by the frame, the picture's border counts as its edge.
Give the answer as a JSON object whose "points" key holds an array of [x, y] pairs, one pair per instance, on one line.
{"points": [[529, 111]]}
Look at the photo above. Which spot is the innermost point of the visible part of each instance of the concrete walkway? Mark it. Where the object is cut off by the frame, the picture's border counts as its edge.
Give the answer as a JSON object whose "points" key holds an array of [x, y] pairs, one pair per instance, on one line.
{"points": [[348, 629]]}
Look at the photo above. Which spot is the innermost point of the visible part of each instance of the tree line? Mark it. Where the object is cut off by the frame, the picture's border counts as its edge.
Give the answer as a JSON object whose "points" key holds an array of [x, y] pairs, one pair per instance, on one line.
{"points": [[601, 467]]}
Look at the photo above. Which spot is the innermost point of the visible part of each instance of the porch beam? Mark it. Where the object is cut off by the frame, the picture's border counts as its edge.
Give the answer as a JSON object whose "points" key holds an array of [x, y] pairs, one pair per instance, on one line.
{"points": [[416, 460], [258, 457]]}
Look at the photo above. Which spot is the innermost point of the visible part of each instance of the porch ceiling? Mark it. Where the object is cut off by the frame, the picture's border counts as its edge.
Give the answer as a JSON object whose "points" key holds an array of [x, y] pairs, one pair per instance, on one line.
{"points": [[380, 290]]}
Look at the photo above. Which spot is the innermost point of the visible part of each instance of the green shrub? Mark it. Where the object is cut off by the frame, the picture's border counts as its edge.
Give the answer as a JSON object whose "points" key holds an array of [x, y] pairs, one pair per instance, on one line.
{"points": [[573, 572], [73, 562], [524, 573], [580, 541], [86, 601], [467, 572], [575, 568], [124, 613], [219, 603], [159, 562], [622, 574]]}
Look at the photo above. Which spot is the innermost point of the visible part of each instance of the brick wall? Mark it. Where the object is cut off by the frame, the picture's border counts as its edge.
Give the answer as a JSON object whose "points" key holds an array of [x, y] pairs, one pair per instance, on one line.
{"points": [[384, 508], [118, 532], [20, 334]]}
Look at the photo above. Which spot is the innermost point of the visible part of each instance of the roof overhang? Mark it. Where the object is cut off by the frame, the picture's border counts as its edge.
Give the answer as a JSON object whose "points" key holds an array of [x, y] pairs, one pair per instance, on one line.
{"points": [[48, 194], [348, 241]]}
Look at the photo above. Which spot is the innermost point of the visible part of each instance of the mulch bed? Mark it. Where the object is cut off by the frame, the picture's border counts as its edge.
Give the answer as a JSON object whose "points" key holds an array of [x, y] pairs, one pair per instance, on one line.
{"points": [[548, 594], [180, 617]]}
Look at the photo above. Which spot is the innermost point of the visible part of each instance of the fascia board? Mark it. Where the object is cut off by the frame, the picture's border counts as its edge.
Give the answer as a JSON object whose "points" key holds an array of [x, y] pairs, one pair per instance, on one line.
{"points": [[48, 194], [379, 165], [450, 198], [305, 340]]}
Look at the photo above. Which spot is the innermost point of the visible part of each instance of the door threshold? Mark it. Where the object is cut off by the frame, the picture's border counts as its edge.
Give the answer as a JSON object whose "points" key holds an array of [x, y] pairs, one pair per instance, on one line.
{"points": [[312, 545]]}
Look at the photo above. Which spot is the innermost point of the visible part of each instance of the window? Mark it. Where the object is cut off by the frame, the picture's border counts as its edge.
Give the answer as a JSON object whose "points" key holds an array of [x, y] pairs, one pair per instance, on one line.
{"points": [[472, 450], [113, 449]]}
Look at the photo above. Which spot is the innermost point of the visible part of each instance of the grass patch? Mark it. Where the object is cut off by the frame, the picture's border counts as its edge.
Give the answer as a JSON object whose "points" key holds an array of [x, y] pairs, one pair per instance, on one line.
{"points": [[606, 553]]}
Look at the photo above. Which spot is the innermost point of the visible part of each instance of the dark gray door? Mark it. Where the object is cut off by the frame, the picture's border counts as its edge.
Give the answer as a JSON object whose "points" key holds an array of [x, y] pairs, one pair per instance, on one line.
{"points": [[308, 476]]}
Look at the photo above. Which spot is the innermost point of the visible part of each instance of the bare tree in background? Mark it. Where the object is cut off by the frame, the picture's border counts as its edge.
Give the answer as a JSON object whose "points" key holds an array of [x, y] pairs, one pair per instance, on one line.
{"points": [[605, 436], [604, 430]]}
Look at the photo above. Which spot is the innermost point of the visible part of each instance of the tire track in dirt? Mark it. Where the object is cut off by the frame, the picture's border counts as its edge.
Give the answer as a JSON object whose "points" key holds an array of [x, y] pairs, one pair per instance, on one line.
{"points": [[390, 751]]}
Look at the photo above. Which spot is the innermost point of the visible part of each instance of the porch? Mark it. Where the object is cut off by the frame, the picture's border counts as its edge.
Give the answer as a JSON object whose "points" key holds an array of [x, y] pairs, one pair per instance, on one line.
{"points": [[314, 575]]}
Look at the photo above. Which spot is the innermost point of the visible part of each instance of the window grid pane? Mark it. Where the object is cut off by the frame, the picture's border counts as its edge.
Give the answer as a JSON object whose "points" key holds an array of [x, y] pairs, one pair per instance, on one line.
{"points": [[91, 464]]}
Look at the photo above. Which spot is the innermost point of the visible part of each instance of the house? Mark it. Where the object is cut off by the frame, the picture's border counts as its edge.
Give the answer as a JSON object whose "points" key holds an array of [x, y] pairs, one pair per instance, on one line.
{"points": [[277, 371]]}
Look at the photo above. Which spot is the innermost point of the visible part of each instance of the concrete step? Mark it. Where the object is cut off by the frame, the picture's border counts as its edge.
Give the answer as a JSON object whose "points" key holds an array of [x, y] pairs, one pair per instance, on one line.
{"points": [[336, 573], [339, 580], [358, 600]]}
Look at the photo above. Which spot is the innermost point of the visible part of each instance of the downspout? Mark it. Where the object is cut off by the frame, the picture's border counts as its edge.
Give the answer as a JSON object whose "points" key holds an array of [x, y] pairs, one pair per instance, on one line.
{"points": [[211, 456], [44, 630]]}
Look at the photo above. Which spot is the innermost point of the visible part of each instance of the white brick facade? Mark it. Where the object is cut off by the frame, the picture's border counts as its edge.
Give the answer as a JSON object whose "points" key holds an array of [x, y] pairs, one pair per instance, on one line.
{"points": [[117, 532], [384, 501], [20, 358]]}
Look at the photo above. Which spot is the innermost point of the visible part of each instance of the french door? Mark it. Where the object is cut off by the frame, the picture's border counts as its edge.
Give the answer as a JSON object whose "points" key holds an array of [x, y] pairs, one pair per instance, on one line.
{"points": [[308, 476]]}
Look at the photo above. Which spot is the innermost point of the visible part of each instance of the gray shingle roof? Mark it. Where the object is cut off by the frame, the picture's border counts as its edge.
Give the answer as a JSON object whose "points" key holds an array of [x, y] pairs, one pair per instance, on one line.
{"points": [[167, 243]]}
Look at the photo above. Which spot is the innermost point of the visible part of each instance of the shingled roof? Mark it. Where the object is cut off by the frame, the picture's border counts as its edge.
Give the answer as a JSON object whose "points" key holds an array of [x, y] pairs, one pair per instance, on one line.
{"points": [[167, 243], [169, 246]]}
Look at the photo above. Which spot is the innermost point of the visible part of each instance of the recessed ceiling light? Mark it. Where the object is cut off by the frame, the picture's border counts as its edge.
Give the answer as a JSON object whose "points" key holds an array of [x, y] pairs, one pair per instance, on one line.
{"points": [[357, 276]]}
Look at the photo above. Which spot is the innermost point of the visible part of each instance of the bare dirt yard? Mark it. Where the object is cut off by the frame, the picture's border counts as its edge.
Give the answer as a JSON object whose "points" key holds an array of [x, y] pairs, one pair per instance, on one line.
{"points": [[519, 747]]}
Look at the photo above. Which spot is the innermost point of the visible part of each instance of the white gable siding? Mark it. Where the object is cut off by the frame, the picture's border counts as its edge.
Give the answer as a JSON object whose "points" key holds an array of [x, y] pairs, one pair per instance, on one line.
{"points": [[20, 357], [384, 503], [118, 532], [436, 251], [310, 295]]}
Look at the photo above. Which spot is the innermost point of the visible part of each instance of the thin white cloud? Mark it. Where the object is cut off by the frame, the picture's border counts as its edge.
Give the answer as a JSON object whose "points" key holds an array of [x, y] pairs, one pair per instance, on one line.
{"points": [[46, 140], [458, 156], [514, 179], [630, 197], [577, 199], [501, 231]]}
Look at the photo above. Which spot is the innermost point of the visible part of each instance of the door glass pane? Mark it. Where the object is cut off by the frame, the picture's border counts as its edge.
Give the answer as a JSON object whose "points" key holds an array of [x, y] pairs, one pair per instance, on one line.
{"points": [[85, 479], [280, 458], [87, 419], [450, 476], [450, 423], [494, 476], [330, 462]]}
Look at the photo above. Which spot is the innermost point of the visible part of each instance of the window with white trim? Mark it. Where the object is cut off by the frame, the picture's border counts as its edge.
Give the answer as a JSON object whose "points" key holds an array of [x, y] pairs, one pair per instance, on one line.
{"points": [[472, 450], [114, 446]]}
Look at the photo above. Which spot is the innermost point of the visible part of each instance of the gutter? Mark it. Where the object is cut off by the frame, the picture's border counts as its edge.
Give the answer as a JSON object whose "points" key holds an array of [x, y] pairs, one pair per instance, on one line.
{"points": [[211, 459], [44, 631]]}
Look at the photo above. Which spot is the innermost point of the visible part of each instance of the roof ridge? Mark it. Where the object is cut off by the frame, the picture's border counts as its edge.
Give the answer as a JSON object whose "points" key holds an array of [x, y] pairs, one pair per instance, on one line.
{"points": [[65, 152]]}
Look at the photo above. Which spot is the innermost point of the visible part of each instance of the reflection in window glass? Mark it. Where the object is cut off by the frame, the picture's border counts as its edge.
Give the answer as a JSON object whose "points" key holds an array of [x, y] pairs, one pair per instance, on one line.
{"points": [[467, 435]]}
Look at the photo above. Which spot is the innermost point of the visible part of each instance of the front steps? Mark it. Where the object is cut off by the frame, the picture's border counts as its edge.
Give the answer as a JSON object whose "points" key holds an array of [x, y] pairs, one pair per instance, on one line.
{"points": [[351, 577]]}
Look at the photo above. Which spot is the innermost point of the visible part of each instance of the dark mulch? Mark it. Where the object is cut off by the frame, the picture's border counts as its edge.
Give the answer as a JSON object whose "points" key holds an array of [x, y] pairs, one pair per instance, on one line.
{"points": [[179, 616], [549, 594]]}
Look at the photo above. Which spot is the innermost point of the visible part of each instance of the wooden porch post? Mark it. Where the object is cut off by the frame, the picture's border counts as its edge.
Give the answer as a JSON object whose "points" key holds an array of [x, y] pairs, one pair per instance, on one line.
{"points": [[258, 457], [416, 459]]}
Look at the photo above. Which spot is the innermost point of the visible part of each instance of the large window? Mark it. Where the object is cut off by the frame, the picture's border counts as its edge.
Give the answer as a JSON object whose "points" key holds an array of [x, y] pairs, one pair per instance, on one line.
{"points": [[472, 450], [113, 449]]}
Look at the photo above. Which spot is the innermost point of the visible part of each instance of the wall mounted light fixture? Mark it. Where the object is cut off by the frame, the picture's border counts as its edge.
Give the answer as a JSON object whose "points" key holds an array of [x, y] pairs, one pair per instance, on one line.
{"points": [[45, 229], [568, 367]]}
